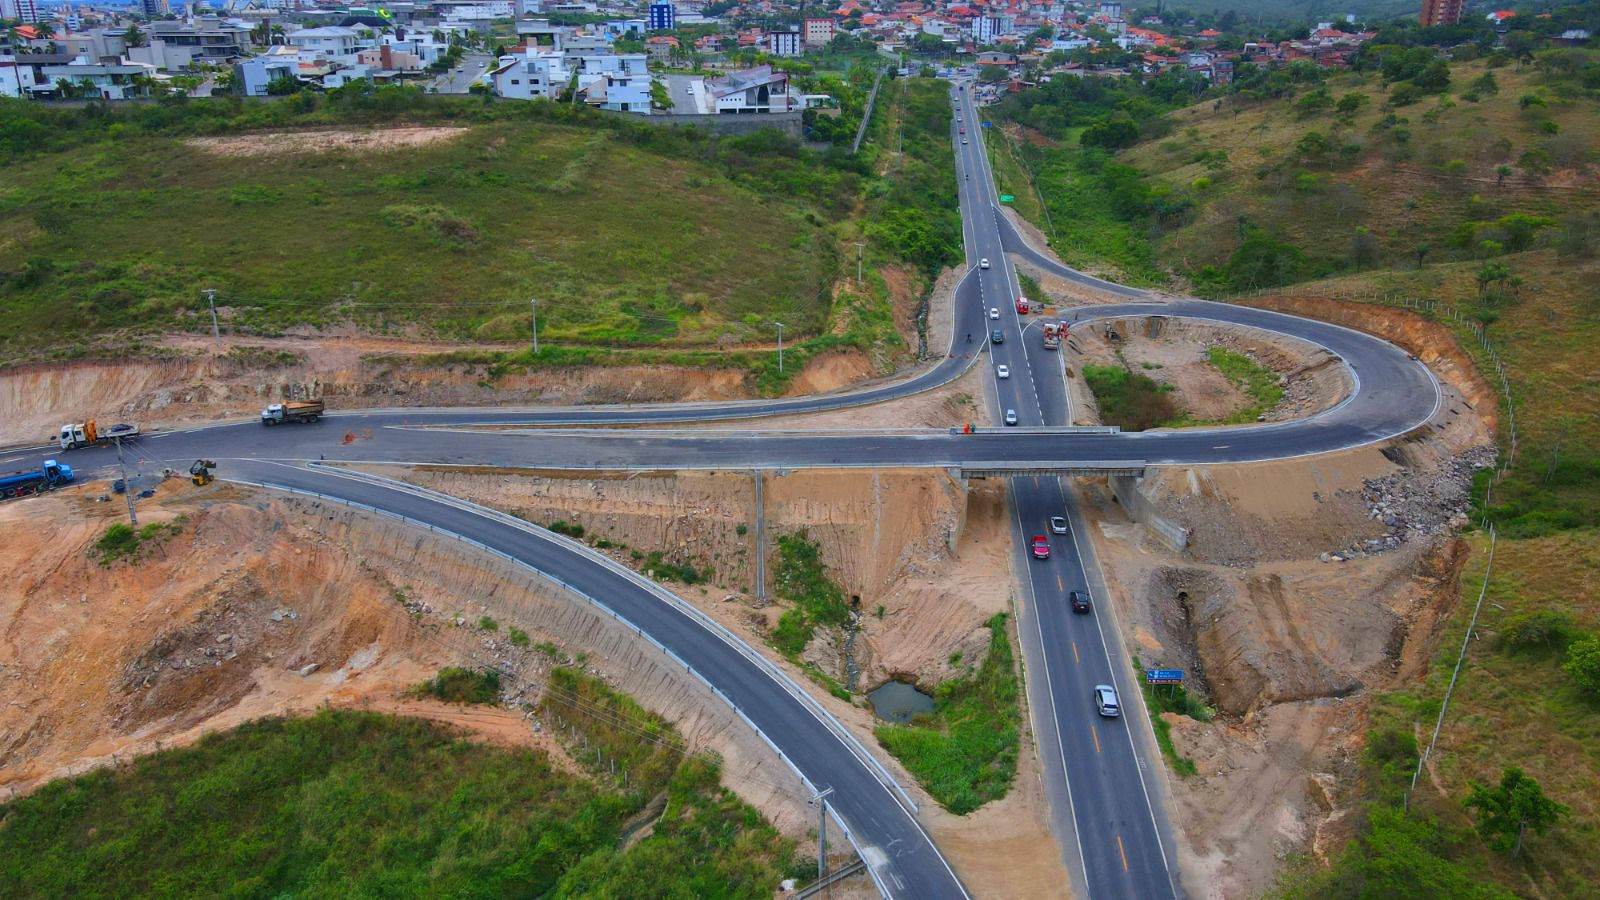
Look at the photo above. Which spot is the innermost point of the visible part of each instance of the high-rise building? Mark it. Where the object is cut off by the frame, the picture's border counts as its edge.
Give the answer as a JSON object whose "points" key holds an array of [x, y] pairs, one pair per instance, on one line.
{"points": [[25, 11], [663, 15], [1440, 12], [155, 8]]}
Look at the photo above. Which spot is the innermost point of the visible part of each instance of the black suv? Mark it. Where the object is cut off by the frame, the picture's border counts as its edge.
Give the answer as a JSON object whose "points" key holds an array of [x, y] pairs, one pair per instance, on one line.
{"points": [[997, 336], [1080, 601]]}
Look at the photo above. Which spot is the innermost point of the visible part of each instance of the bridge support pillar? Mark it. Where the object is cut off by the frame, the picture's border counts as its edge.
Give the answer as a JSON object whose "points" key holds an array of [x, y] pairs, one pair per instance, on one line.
{"points": [[1140, 509]]}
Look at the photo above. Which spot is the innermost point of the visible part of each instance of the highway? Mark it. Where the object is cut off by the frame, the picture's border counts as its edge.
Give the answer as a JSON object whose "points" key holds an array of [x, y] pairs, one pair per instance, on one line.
{"points": [[1101, 779], [1102, 812]]}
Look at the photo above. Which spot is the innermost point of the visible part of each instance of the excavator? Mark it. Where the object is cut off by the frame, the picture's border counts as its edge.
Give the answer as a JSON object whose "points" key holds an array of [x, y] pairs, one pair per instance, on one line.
{"points": [[200, 472]]}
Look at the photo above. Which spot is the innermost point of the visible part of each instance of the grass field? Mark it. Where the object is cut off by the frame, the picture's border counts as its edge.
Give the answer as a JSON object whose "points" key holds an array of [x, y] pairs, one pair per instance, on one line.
{"points": [[346, 804], [965, 752], [621, 245]]}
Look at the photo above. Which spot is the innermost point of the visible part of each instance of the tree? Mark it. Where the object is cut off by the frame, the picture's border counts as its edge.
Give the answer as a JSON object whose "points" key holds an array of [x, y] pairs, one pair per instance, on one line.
{"points": [[283, 86], [1349, 104], [132, 36], [1492, 273], [1583, 664], [1112, 135], [1422, 250], [1501, 173], [1364, 250], [1507, 811], [993, 75]]}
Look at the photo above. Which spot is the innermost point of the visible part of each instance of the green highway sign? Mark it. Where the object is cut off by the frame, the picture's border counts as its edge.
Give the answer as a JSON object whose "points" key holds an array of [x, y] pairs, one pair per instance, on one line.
{"points": [[1006, 198]]}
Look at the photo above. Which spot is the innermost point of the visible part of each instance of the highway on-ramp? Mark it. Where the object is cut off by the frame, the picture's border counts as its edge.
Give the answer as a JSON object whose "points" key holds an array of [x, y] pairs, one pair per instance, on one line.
{"points": [[1100, 776]]}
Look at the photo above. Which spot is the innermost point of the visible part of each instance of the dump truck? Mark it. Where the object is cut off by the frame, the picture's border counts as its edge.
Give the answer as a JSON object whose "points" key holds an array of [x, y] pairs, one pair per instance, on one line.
{"points": [[292, 411], [1053, 332], [47, 477], [87, 434]]}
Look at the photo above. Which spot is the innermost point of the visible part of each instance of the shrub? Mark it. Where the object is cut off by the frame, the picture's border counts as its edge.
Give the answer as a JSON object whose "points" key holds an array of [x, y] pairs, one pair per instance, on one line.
{"points": [[1134, 402], [519, 638], [1583, 664], [488, 624], [570, 529], [457, 685], [1541, 631]]}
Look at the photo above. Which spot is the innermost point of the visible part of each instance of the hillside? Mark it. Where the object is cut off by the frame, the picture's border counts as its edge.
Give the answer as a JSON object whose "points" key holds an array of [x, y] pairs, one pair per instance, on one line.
{"points": [[1481, 199], [421, 215]]}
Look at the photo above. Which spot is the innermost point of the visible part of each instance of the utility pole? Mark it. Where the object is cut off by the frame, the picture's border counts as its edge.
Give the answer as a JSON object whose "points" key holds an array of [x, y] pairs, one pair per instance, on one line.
{"points": [[127, 489], [821, 799], [211, 301], [859, 245], [780, 346], [533, 303]]}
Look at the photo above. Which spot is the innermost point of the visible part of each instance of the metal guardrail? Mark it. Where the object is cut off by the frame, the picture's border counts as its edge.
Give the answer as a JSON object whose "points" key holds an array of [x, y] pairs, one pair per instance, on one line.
{"points": [[1005, 469], [822, 884], [1039, 429], [716, 628], [866, 115]]}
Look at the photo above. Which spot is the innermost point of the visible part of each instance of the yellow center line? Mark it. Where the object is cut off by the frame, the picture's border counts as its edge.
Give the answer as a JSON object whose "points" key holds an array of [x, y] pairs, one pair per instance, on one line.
{"points": [[1059, 585], [1075, 651], [1095, 733], [1123, 852]]}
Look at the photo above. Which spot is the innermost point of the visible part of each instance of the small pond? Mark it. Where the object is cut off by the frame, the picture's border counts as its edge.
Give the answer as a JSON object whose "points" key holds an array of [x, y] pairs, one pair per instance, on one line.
{"points": [[900, 702]]}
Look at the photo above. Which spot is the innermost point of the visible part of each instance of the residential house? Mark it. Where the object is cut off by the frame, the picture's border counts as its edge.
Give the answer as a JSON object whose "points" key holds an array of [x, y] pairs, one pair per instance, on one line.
{"points": [[758, 90], [251, 76], [110, 82], [331, 42], [539, 73], [212, 39], [385, 58]]}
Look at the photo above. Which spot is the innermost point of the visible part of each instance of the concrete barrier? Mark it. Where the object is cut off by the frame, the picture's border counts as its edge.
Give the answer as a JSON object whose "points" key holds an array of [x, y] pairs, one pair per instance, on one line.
{"points": [[1141, 510]]}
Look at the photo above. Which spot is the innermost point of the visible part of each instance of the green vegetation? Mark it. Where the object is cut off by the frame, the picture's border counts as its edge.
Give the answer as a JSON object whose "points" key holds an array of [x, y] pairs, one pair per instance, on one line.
{"points": [[800, 578], [965, 753], [656, 564], [518, 637], [122, 541], [1515, 704], [570, 529], [1170, 698], [1258, 382], [457, 685], [532, 199], [1131, 400], [360, 804], [642, 743], [488, 624]]}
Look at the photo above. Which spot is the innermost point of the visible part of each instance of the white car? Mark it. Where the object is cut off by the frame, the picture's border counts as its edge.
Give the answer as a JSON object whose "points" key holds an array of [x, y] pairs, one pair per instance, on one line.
{"points": [[983, 263], [1058, 525], [1002, 371], [994, 312]]}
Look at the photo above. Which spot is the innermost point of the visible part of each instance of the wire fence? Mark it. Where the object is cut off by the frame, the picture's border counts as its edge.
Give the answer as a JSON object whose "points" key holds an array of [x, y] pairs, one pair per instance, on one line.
{"points": [[1466, 641]]}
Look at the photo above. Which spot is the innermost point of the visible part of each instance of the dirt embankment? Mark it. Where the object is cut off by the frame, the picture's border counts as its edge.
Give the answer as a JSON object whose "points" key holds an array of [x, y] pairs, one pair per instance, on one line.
{"points": [[1173, 352], [1306, 585], [1431, 342], [265, 605], [914, 543]]}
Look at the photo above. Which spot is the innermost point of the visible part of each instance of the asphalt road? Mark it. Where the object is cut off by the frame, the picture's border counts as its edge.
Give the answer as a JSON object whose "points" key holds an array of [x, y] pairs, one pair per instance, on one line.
{"points": [[1112, 832]]}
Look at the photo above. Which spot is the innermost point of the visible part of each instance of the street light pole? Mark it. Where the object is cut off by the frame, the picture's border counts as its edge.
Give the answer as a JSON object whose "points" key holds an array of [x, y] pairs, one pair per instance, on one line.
{"points": [[211, 301], [780, 346], [533, 303], [859, 245], [821, 799], [127, 489]]}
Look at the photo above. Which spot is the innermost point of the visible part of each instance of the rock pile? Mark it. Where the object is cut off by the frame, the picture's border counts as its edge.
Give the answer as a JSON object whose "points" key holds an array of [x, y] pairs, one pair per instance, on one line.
{"points": [[1415, 504]]}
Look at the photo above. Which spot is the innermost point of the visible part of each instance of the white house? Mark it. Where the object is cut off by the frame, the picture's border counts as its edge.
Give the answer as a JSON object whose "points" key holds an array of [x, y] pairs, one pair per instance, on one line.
{"points": [[758, 90], [252, 76], [333, 42], [111, 82], [538, 74]]}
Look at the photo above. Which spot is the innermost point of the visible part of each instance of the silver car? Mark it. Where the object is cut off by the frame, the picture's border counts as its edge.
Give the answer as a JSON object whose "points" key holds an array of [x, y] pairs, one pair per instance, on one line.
{"points": [[1105, 700]]}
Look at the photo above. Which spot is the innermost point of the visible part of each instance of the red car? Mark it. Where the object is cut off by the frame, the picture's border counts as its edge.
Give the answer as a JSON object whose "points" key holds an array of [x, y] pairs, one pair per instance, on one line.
{"points": [[1041, 547]]}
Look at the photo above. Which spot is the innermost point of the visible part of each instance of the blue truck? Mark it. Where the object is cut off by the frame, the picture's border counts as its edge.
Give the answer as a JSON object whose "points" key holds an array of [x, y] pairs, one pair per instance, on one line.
{"points": [[47, 477]]}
